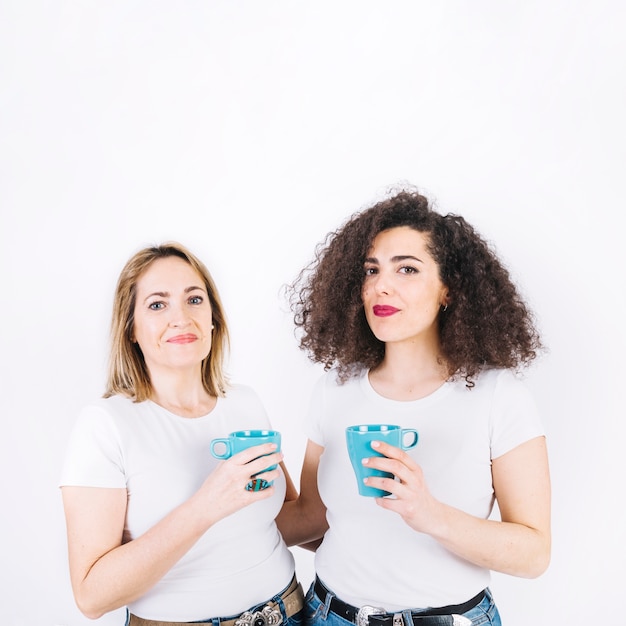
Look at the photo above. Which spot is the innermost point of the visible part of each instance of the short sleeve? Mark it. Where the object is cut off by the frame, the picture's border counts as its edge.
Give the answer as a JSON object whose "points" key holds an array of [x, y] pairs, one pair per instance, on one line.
{"points": [[514, 418], [94, 456]]}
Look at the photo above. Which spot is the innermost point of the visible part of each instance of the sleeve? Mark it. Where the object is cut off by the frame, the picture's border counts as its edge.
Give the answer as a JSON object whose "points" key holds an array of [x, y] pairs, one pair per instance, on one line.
{"points": [[94, 456], [515, 418]]}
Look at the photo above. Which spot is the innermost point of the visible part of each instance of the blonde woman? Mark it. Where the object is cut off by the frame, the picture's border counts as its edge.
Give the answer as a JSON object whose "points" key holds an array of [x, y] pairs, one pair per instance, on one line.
{"points": [[154, 522]]}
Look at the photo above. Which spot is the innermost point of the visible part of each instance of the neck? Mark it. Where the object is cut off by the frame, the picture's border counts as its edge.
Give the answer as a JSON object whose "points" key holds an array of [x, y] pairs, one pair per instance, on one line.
{"points": [[181, 394], [409, 372]]}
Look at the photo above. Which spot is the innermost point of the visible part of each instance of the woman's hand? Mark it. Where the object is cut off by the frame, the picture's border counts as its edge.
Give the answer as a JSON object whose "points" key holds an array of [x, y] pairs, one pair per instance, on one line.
{"points": [[412, 501], [302, 521], [224, 490], [518, 544]]}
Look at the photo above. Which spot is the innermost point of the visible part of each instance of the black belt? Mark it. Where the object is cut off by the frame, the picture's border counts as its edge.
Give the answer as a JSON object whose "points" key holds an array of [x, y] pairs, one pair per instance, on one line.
{"points": [[439, 616]]}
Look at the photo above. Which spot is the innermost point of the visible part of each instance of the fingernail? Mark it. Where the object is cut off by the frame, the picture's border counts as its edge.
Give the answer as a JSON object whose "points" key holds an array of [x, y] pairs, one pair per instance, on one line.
{"points": [[375, 444]]}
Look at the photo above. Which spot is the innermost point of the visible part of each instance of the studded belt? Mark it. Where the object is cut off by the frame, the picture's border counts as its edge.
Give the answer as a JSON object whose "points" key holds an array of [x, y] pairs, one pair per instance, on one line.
{"points": [[373, 616], [262, 615]]}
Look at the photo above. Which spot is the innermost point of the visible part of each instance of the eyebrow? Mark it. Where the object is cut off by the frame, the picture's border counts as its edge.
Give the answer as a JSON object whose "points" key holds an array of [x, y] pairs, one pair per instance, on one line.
{"points": [[165, 294], [395, 259]]}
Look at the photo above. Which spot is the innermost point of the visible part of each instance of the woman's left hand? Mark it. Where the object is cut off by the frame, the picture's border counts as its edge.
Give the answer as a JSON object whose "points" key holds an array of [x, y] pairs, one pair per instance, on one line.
{"points": [[413, 501], [517, 544]]}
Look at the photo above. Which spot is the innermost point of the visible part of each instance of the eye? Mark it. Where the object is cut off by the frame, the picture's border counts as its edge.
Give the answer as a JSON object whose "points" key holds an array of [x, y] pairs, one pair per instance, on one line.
{"points": [[370, 271], [407, 269], [196, 300], [156, 306]]}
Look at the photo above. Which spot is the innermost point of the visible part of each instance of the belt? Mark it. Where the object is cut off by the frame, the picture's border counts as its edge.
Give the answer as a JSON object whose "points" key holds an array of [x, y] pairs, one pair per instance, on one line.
{"points": [[367, 615], [262, 615]]}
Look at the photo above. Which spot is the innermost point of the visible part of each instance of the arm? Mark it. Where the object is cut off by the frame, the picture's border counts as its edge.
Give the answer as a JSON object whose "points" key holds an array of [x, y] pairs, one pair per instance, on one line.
{"points": [[106, 573], [291, 493], [519, 544], [303, 521]]}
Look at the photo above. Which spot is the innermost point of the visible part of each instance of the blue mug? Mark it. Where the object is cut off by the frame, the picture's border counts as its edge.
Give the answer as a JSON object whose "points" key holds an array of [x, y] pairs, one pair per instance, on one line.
{"points": [[359, 439], [224, 447]]}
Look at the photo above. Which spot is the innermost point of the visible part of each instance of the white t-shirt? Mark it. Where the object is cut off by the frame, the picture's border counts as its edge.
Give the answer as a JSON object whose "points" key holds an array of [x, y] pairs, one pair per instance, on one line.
{"points": [[369, 555], [162, 459]]}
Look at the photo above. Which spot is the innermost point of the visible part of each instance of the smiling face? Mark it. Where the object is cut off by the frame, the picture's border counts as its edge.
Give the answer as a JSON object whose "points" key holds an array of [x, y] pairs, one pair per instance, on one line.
{"points": [[172, 316], [402, 292]]}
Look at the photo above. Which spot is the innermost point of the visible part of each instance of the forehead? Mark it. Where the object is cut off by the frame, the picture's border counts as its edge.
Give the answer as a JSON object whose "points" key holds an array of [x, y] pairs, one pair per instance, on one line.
{"points": [[401, 240], [169, 272]]}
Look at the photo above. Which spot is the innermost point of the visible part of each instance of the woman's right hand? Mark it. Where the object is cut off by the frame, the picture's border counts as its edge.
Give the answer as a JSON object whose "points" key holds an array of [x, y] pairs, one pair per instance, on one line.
{"points": [[224, 490]]}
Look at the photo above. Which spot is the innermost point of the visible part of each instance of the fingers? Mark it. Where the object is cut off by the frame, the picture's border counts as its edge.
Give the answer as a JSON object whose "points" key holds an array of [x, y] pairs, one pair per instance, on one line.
{"points": [[254, 462], [392, 452], [407, 473], [249, 454]]}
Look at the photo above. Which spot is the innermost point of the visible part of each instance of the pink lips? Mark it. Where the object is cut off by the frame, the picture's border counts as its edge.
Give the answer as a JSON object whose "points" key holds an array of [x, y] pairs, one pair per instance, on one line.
{"points": [[187, 338], [381, 310]]}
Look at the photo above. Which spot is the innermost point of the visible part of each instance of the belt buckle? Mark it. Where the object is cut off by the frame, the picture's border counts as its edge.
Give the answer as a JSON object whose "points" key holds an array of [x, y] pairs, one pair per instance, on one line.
{"points": [[363, 615], [267, 616]]}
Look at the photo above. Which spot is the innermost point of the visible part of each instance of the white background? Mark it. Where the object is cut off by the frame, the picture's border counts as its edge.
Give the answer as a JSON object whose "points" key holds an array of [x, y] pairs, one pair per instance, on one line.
{"points": [[248, 130]]}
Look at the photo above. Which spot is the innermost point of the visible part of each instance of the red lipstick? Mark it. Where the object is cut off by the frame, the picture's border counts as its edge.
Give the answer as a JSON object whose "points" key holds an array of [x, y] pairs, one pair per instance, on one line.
{"points": [[381, 310], [187, 338]]}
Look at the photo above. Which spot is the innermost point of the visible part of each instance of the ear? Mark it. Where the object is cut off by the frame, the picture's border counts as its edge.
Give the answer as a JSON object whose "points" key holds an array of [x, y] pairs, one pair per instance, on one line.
{"points": [[445, 297]]}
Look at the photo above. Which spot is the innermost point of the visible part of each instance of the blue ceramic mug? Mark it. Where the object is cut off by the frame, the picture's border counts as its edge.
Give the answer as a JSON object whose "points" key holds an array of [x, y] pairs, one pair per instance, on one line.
{"points": [[239, 440], [359, 439]]}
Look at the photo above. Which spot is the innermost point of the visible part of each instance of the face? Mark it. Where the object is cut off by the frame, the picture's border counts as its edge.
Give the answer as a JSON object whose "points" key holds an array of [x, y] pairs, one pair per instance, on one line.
{"points": [[173, 316], [402, 292]]}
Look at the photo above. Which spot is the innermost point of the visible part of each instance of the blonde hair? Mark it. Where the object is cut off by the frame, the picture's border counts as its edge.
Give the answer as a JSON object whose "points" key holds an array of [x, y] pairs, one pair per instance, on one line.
{"points": [[128, 374]]}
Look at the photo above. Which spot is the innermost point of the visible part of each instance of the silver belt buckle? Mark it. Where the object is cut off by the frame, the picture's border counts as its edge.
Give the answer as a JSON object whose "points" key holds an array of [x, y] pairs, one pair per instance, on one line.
{"points": [[267, 616], [362, 617]]}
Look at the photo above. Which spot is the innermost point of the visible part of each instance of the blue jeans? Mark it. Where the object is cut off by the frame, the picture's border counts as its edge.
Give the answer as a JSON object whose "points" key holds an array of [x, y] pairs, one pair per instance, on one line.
{"points": [[318, 614]]}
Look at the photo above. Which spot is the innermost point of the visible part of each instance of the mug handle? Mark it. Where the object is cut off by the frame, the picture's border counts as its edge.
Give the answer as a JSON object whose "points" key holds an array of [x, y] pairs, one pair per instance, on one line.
{"points": [[224, 455], [413, 442]]}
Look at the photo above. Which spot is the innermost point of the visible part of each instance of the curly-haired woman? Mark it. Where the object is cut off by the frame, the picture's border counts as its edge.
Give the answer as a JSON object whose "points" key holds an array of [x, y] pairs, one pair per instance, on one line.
{"points": [[418, 323]]}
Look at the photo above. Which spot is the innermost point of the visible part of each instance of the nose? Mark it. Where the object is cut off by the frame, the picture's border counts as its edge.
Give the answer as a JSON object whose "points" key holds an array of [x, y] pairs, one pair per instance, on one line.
{"points": [[178, 317], [382, 283]]}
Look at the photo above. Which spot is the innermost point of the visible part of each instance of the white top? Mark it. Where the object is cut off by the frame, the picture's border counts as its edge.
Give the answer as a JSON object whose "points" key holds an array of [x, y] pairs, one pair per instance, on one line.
{"points": [[162, 459], [369, 556]]}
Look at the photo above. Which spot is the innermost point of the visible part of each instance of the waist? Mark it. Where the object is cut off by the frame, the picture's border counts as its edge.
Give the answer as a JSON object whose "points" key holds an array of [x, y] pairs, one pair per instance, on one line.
{"points": [[378, 616], [285, 604]]}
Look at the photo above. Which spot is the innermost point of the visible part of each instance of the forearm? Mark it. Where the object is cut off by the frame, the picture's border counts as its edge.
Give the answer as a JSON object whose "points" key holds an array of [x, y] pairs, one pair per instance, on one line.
{"points": [[507, 547], [126, 572], [108, 573], [300, 524]]}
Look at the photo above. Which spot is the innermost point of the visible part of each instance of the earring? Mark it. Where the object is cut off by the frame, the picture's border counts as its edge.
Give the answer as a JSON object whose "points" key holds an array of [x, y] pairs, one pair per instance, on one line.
{"points": [[445, 307]]}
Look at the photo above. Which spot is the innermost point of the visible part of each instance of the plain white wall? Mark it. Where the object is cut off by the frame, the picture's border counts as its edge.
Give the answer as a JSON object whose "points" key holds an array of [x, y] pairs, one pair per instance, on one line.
{"points": [[248, 130]]}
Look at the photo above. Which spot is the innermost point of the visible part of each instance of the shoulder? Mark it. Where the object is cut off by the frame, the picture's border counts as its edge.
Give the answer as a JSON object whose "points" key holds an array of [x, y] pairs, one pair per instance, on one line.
{"points": [[239, 395], [499, 380], [237, 391], [329, 388], [494, 389], [102, 420], [107, 409]]}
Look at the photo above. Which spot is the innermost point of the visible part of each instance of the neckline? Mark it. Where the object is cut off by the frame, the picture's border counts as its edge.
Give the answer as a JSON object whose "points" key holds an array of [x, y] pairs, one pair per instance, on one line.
{"points": [[432, 397], [183, 417]]}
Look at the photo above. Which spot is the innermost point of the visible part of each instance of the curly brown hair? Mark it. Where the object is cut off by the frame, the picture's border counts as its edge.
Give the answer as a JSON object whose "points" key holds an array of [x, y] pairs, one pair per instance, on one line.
{"points": [[486, 323]]}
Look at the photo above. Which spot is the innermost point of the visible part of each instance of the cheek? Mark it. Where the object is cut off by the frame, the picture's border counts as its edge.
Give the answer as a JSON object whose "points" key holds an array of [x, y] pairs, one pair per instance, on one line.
{"points": [[365, 293]]}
